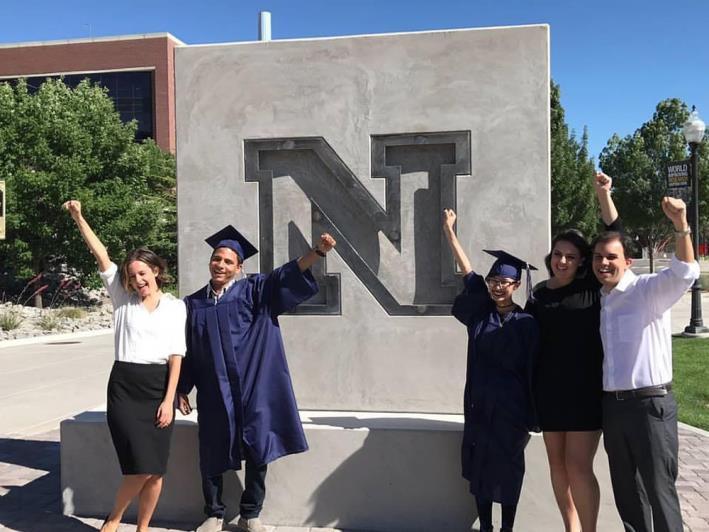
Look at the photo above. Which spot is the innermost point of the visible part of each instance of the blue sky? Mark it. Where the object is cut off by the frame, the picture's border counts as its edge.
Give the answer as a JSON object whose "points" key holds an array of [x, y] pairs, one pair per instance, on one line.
{"points": [[615, 60]]}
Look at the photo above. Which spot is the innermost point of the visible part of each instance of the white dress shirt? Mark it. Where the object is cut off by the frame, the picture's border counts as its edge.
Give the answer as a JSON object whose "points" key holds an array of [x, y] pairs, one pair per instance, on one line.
{"points": [[141, 336], [635, 326]]}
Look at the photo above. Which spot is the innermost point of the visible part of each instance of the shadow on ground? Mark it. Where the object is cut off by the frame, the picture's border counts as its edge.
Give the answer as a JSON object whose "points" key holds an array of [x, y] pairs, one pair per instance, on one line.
{"points": [[30, 488]]}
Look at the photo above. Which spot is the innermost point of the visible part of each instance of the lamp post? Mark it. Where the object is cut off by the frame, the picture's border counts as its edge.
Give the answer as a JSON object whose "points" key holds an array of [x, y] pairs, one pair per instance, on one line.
{"points": [[693, 131]]}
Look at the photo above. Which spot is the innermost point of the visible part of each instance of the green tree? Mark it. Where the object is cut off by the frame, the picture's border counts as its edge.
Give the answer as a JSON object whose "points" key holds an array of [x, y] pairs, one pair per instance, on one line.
{"points": [[572, 196], [638, 164], [61, 143]]}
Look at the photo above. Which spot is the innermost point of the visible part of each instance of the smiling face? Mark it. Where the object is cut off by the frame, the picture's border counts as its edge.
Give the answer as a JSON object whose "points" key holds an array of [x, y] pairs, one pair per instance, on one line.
{"points": [[610, 263], [565, 261], [142, 278], [501, 290], [223, 266]]}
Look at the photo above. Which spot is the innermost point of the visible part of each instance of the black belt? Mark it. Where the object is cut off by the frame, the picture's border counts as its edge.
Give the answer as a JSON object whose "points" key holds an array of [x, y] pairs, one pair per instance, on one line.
{"points": [[649, 391]]}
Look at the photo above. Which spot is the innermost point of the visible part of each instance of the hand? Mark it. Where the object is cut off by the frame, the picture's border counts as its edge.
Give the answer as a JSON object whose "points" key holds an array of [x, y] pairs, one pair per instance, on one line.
{"points": [[326, 243], [603, 182], [165, 414], [449, 219], [73, 207], [183, 403], [676, 210]]}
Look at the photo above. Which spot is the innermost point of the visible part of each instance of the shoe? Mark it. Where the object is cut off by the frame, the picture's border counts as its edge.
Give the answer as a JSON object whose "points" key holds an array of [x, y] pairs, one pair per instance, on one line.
{"points": [[211, 524], [250, 525]]}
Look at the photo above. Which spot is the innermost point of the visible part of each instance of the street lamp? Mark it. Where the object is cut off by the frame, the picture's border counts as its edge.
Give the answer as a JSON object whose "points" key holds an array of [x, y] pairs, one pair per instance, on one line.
{"points": [[693, 131]]}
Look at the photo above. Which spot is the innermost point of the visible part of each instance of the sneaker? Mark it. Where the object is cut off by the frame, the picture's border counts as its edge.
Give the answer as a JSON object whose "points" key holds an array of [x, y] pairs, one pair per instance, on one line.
{"points": [[250, 525], [211, 524]]}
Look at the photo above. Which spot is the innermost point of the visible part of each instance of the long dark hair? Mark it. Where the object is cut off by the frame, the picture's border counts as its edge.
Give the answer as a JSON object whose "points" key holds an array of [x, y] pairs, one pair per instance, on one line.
{"points": [[148, 257], [576, 239]]}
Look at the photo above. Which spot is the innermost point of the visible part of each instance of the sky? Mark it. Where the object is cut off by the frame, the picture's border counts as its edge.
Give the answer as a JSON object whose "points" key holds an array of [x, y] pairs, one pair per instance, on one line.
{"points": [[614, 60]]}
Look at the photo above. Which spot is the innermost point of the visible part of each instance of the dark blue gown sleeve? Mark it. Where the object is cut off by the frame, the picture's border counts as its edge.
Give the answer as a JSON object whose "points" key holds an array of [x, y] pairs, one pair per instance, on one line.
{"points": [[186, 380], [473, 302], [285, 288]]}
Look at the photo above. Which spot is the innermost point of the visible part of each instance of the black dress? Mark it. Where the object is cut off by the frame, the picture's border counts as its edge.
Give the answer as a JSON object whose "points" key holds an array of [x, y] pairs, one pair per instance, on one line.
{"points": [[497, 401], [568, 383]]}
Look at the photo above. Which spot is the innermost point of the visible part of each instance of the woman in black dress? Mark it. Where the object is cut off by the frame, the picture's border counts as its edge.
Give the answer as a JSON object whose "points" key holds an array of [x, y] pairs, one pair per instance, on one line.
{"points": [[149, 346], [568, 377], [497, 404]]}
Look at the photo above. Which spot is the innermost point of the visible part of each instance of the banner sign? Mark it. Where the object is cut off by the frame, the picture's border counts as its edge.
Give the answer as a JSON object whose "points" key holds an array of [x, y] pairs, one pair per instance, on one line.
{"points": [[679, 180], [678, 174]]}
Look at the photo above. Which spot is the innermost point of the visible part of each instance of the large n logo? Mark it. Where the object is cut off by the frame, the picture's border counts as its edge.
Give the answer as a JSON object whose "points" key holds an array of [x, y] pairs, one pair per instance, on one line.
{"points": [[411, 274]]}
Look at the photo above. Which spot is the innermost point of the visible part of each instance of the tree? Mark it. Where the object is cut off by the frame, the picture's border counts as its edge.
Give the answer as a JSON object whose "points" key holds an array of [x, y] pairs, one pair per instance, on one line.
{"points": [[638, 164], [572, 196], [61, 143]]}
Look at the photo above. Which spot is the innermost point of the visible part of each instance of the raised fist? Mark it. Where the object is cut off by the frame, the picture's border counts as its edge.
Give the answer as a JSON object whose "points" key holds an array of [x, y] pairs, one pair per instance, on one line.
{"points": [[73, 207]]}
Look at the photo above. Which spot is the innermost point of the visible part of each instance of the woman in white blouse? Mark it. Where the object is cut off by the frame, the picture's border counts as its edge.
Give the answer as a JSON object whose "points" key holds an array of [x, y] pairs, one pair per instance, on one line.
{"points": [[149, 346]]}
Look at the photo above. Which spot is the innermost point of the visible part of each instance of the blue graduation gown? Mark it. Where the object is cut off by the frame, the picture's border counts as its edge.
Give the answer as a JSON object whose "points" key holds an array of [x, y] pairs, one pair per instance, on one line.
{"points": [[235, 358], [497, 401]]}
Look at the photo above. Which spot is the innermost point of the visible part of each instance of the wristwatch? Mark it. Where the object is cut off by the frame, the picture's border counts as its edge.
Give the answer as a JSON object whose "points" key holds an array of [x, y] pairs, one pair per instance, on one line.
{"points": [[317, 250]]}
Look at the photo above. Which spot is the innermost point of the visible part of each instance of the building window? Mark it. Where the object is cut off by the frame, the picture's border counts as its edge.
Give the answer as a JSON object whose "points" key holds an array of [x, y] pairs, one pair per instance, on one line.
{"points": [[131, 92]]}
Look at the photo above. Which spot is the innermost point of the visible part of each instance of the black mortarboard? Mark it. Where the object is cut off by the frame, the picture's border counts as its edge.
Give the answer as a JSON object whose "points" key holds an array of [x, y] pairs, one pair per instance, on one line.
{"points": [[509, 266], [232, 239]]}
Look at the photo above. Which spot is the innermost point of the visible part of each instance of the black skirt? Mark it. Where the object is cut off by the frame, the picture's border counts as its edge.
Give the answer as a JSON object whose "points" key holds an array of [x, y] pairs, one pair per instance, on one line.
{"points": [[135, 392]]}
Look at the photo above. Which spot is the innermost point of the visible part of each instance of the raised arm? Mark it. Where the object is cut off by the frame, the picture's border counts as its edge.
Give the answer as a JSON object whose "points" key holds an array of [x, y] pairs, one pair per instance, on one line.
{"points": [[320, 250], [95, 245], [602, 184], [460, 257], [676, 210]]}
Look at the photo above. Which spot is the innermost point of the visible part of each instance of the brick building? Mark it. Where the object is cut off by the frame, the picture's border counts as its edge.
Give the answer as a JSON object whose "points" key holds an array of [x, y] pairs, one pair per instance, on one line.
{"points": [[137, 70]]}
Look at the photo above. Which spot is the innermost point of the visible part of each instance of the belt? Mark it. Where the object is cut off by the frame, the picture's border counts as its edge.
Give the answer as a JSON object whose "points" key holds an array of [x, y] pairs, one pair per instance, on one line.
{"points": [[649, 391]]}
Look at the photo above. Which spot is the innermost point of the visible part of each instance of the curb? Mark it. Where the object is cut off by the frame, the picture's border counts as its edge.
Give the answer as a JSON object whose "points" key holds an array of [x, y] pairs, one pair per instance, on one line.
{"points": [[696, 430], [48, 338]]}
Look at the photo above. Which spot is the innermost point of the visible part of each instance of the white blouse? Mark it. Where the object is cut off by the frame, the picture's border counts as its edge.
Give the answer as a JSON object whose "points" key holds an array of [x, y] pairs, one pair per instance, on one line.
{"points": [[141, 336]]}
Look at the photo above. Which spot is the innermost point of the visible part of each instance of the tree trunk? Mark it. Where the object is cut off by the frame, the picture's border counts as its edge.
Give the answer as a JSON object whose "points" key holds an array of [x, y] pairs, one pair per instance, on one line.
{"points": [[38, 297], [651, 255]]}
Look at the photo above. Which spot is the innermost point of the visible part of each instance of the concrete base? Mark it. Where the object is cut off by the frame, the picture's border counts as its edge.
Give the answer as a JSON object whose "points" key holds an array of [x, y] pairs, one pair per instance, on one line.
{"points": [[364, 471]]}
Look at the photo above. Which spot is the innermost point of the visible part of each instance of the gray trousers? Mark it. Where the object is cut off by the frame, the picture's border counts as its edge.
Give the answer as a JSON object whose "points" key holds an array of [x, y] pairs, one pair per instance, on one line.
{"points": [[640, 437]]}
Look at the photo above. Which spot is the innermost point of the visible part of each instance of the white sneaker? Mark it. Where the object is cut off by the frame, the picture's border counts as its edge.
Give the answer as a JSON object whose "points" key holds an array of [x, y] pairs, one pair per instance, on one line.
{"points": [[250, 525], [211, 524]]}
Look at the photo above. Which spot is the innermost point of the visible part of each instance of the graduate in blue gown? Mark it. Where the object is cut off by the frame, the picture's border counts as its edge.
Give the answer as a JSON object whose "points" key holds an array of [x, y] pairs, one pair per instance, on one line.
{"points": [[235, 358], [498, 409]]}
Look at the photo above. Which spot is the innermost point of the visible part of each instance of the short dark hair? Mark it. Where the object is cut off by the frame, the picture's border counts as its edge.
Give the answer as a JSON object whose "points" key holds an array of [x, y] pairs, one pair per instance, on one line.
{"points": [[576, 239], [610, 236], [148, 257]]}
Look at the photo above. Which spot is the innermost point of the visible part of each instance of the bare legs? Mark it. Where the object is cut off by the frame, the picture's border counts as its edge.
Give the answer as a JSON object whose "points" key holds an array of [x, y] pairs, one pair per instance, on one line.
{"points": [[147, 489], [575, 486]]}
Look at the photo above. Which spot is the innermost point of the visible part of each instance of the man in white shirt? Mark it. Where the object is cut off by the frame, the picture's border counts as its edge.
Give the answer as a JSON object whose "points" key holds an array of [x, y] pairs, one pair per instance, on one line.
{"points": [[639, 410]]}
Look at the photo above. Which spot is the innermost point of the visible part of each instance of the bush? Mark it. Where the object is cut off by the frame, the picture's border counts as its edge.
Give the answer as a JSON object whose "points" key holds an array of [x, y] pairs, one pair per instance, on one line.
{"points": [[48, 321], [10, 319]]}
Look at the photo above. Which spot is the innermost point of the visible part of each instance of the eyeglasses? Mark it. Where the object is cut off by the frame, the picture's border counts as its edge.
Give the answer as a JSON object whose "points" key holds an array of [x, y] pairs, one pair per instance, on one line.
{"points": [[501, 283]]}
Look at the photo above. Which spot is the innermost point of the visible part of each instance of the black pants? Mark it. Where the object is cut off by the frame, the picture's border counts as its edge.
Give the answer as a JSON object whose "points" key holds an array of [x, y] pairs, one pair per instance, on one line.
{"points": [[640, 437], [251, 499]]}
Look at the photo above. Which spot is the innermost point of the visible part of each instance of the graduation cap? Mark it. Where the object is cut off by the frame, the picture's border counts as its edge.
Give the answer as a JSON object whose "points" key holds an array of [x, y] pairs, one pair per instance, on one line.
{"points": [[229, 237], [509, 266]]}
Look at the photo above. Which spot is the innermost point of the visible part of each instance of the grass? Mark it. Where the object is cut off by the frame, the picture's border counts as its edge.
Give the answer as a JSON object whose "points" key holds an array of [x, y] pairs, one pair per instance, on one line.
{"points": [[690, 382], [71, 313], [10, 320]]}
